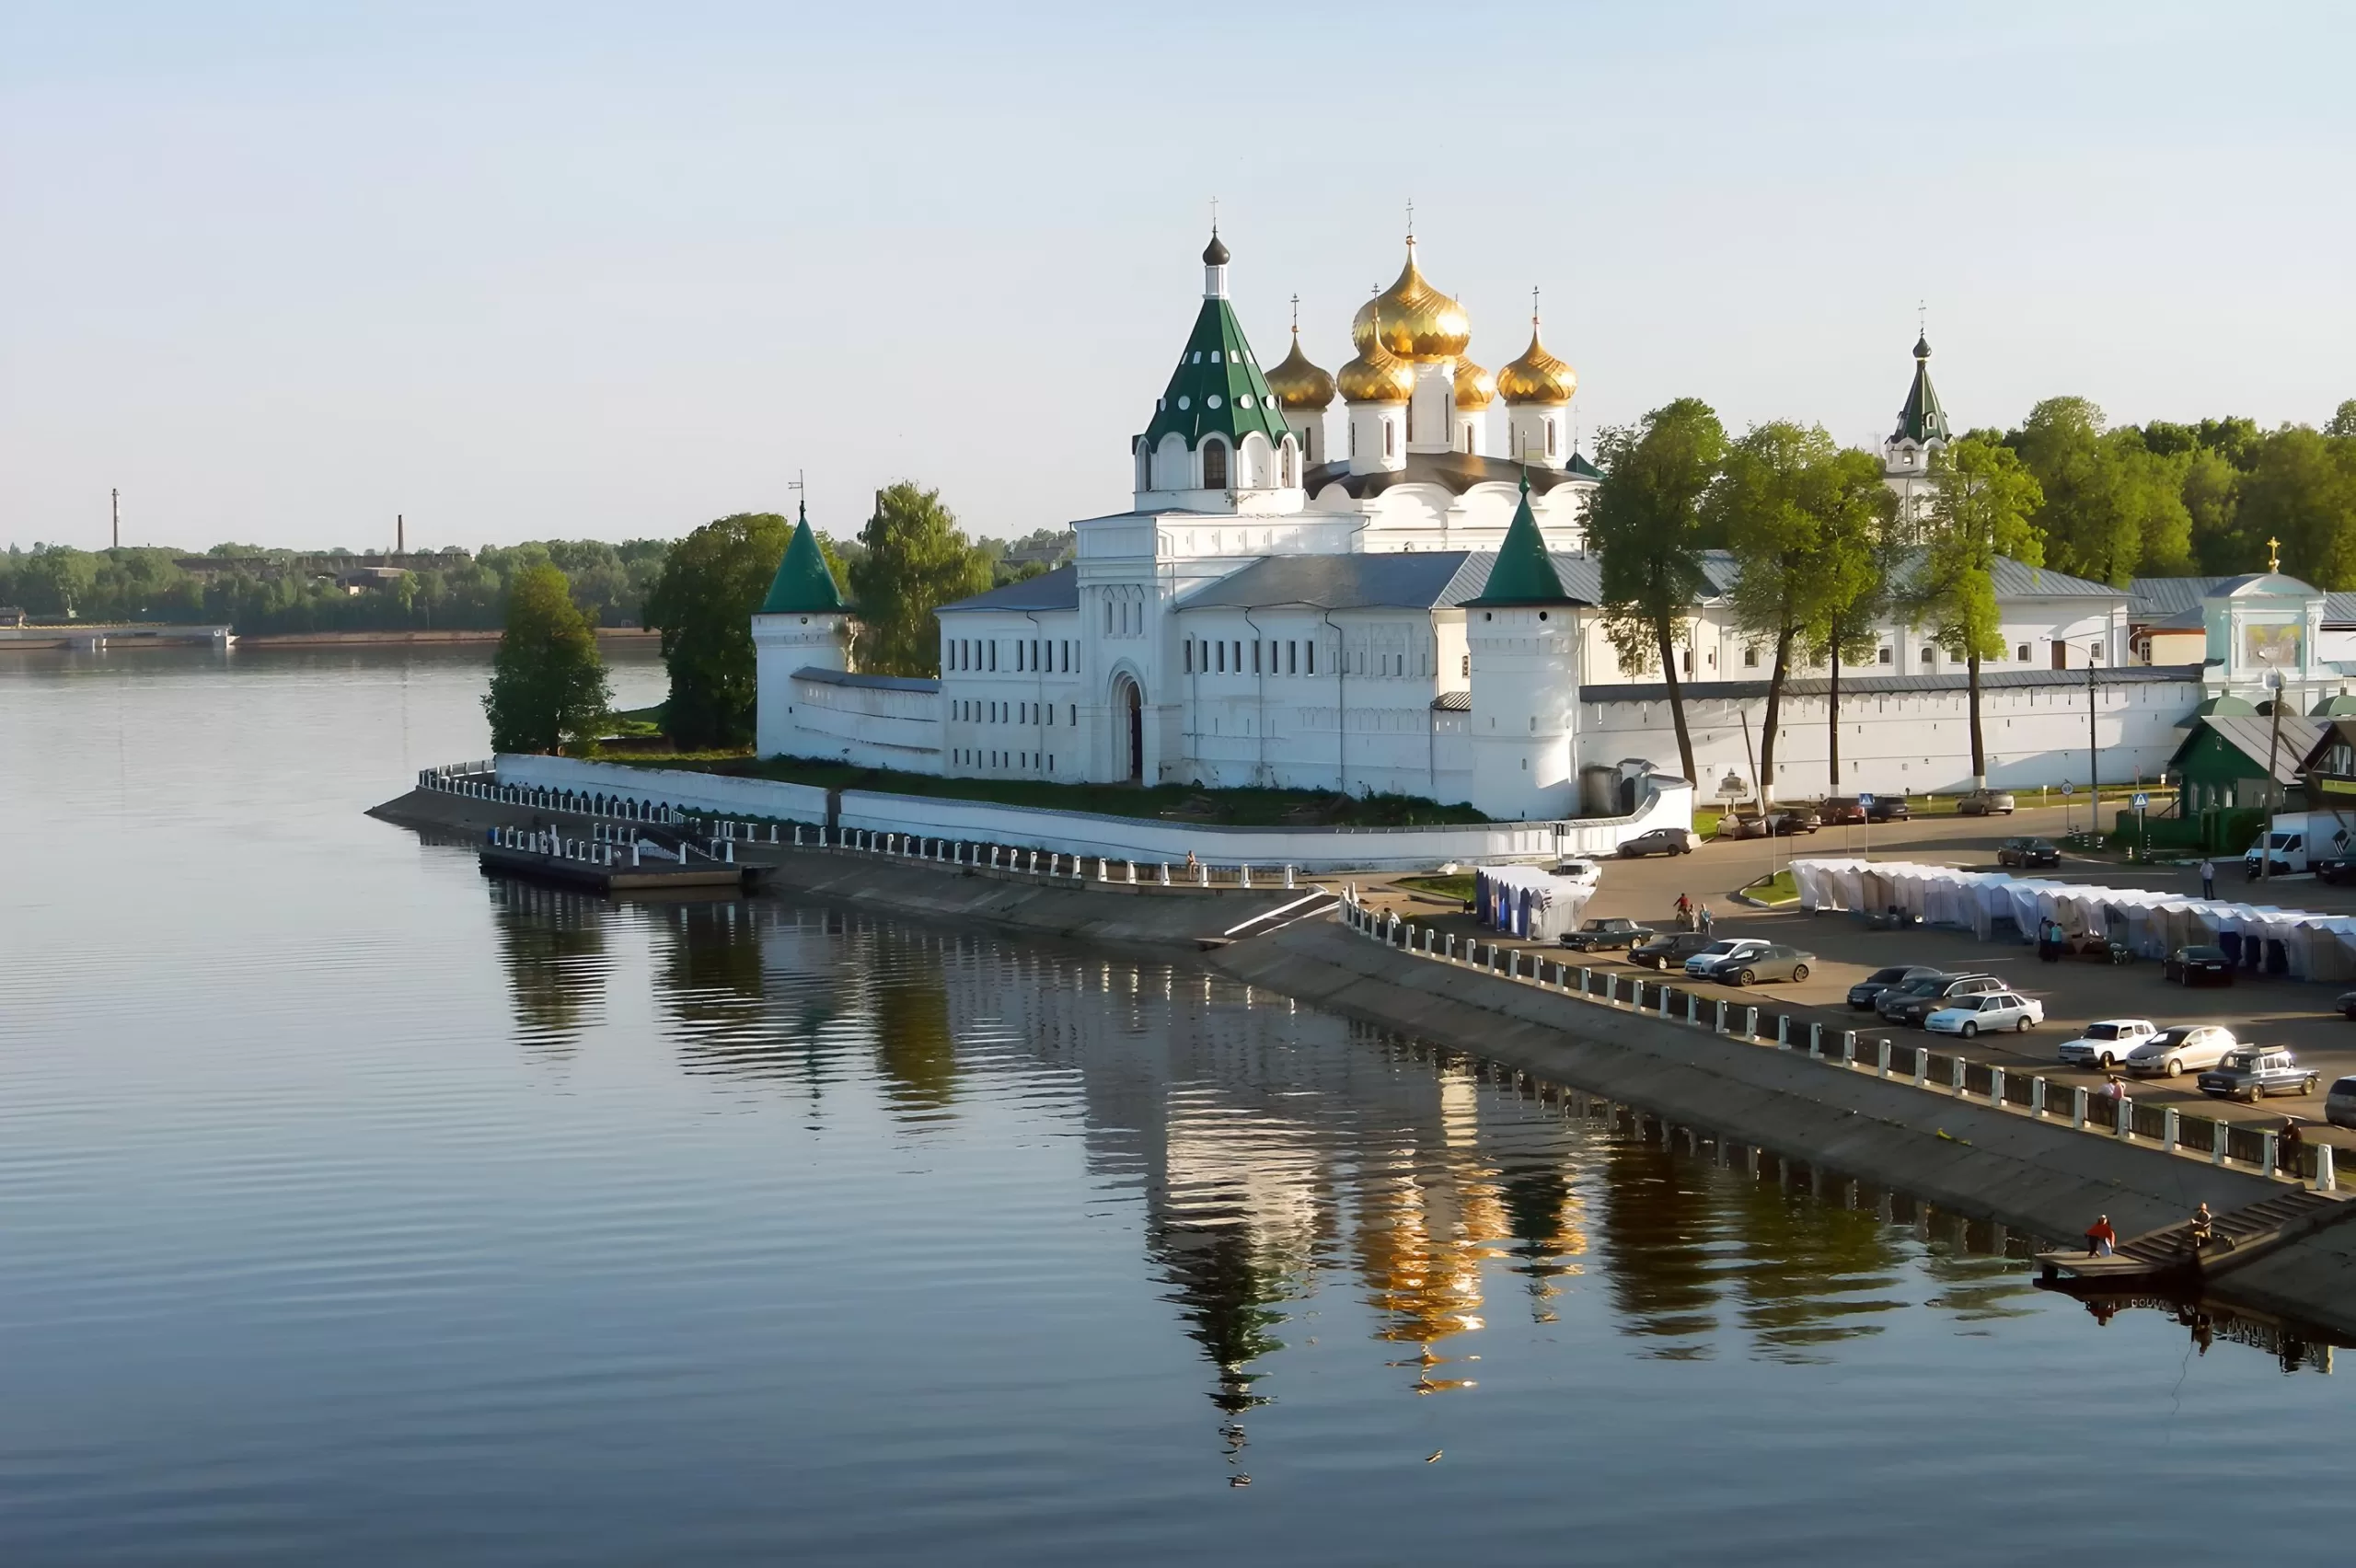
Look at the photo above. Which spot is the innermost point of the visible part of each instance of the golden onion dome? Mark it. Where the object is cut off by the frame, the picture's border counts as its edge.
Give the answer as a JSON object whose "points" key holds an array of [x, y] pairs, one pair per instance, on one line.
{"points": [[1299, 384], [1377, 376], [1476, 388], [1537, 376], [1413, 319]]}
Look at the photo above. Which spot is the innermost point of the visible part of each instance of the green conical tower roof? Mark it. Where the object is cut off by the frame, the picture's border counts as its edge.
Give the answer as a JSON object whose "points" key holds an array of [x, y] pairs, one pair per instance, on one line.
{"points": [[804, 586], [1921, 420], [1524, 575], [1218, 387]]}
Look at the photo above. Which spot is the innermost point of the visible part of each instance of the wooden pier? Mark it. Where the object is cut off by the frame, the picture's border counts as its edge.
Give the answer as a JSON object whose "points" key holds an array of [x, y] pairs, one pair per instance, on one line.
{"points": [[2167, 1257]]}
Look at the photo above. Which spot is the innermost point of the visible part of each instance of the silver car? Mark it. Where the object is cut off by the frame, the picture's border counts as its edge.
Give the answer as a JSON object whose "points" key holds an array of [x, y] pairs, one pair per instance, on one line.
{"points": [[2340, 1105], [2195, 1047]]}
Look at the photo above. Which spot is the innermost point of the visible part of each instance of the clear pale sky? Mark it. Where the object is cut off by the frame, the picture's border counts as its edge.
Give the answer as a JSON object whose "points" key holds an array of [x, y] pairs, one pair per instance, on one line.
{"points": [[281, 270]]}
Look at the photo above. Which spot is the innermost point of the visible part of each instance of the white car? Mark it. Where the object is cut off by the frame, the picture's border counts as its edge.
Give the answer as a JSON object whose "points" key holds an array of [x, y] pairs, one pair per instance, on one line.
{"points": [[1723, 947], [2189, 1047], [1986, 1013], [1587, 874], [2107, 1043]]}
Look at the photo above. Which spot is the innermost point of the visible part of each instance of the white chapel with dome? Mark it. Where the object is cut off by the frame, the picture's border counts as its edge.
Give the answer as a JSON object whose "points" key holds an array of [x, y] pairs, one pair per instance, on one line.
{"points": [[1397, 596]]}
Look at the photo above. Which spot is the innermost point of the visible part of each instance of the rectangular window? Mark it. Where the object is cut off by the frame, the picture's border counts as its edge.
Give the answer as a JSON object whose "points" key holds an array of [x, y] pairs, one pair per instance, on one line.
{"points": [[1313, 656], [1190, 655], [993, 655], [1750, 658], [1108, 616], [1255, 655], [1222, 656], [1292, 656], [1239, 655], [1468, 666], [1072, 712], [1884, 657], [1035, 652]]}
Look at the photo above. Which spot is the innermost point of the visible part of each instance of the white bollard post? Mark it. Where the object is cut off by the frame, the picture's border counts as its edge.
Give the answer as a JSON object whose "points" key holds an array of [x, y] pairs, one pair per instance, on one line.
{"points": [[1692, 1009], [1288, 879], [2217, 1141], [732, 851], [1816, 1039], [1586, 980], [1750, 1024], [2037, 1097], [1783, 1031], [1133, 873], [2168, 1130], [1662, 997], [1996, 1087], [797, 836], [2078, 1107], [1165, 874], [1720, 1026], [1202, 873], [1848, 1047], [1955, 1077], [634, 854], [1881, 1059], [2126, 1128], [1244, 875], [1922, 1066]]}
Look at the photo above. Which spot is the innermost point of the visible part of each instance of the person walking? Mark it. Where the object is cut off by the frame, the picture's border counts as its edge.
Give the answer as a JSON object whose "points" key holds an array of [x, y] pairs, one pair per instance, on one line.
{"points": [[1708, 920], [2208, 877], [1684, 913], [2101, 1240]]}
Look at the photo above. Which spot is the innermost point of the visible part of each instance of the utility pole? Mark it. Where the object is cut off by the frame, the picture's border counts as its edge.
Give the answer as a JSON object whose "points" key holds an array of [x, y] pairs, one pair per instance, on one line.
{"points": [[2094, 757], [2273, 751], [116, 496]]}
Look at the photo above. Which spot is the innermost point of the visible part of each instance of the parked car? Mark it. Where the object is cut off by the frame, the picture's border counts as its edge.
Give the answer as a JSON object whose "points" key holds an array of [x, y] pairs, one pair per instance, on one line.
{"points": [[1699, 964], [2254, 1071], [2106, 1044], [1865, 992], [2337, 870], [1670, 949], [1840, 811], [1784, 821], [2196, 1046], [2347, 1004], [1985, 802], [1736, 824], [1909, 1005], [1769, 961], [2340, 1104], [1987, 1013], [2027, 852], [1585, 872], [1611, 932], [1660, 841], [2197, 966], [1887, 808]]}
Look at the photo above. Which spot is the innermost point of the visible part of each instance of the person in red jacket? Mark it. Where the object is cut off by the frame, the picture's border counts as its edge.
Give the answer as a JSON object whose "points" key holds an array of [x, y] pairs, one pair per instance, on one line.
{"points": [[2101, 1240]]}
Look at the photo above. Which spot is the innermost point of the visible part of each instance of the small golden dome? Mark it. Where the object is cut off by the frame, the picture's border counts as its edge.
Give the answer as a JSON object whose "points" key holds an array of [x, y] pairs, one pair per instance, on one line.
{"points": [[1299, 384], [1476, 388], [1377, 376], [1413, 320], [1537, 376]]}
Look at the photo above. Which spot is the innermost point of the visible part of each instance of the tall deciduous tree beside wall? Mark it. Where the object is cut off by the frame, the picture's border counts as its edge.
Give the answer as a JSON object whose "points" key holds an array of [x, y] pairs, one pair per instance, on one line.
{"points": [[915, 560], [1859, 561], [1646, 522], [1982, 499], [548, 683], [1798, 515], [712, 582]]}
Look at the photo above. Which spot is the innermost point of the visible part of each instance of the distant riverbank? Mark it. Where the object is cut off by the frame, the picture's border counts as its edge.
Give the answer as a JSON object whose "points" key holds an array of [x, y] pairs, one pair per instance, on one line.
{"points": [[401, 639]]}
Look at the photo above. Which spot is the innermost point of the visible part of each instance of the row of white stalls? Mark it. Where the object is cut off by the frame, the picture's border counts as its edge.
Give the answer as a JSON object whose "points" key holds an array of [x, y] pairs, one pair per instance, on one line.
{"points": [[1992, 905], [1528, 901]]}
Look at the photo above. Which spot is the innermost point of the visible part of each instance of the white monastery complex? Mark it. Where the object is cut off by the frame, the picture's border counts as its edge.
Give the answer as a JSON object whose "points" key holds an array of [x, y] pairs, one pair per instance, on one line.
{"points": [[1402, 599]]}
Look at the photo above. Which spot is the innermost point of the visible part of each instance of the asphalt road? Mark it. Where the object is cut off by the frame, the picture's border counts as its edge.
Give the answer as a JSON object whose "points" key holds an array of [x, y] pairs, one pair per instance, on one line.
{"points": [[2293, 1013]]}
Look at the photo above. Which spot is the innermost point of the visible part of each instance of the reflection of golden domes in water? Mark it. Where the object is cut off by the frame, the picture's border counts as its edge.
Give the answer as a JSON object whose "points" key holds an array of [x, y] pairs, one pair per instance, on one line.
{"points": [[1377, 377], [1537, 376], [1413, 319], [1299, 384], [1474, 386]]}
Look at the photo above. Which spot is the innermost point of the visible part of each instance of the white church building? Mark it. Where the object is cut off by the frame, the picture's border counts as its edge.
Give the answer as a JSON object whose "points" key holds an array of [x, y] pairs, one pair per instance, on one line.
{"points": [[1413, 608]]}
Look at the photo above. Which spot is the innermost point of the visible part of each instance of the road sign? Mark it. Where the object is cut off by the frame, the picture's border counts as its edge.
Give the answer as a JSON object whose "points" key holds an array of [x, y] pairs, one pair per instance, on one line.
{"points": [[2069, 789], [1864, 800], [2140, 801]]}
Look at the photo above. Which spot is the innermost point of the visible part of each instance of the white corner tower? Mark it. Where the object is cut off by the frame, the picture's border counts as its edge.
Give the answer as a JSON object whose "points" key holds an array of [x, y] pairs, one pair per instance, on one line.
{"points": [[804, 624], [1522, 633]]}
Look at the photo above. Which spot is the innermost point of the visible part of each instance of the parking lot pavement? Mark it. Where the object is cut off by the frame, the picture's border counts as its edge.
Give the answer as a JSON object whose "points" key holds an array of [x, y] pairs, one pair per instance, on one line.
{"points": [[2074, 992]]}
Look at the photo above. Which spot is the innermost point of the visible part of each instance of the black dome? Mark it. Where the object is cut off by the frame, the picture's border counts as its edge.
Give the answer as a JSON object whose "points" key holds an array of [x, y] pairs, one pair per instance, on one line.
{"points": [[1215, 253]]}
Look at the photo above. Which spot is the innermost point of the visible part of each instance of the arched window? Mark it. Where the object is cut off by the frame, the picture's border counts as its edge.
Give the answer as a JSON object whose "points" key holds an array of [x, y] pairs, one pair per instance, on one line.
{"points": [[1214, 464], [1145, 467]]}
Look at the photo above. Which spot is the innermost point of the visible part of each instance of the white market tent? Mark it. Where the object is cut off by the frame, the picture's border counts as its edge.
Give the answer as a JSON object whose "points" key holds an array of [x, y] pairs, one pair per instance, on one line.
{"points": [[1993, 903], [1528, 901]]}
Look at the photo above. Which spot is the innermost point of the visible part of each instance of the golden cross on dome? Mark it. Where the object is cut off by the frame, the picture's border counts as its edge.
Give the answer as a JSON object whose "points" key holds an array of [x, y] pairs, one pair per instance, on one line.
{"points": [[2273, 555], [1411, 220], [1295, 315], [1533, 307]]}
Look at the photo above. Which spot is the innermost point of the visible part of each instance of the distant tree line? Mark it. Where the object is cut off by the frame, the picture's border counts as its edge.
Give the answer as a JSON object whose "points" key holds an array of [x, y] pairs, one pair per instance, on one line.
{"points": [[271, 591]]}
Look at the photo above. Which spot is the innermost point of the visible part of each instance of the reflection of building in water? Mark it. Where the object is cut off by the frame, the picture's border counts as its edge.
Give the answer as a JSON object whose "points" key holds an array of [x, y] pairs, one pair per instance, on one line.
{"points": [[552, 943]]}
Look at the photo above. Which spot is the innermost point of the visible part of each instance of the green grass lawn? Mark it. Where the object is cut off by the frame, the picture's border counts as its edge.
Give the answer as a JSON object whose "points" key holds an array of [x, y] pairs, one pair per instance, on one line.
{"points": [[1456, 887], [1168, 802], [1781, 888]]}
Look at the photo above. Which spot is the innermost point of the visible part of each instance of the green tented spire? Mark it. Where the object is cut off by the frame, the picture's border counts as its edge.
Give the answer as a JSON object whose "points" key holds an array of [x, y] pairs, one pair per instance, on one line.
{"points": [[804, 586], [1524, 575], [1218, 387], [1921, 420]]}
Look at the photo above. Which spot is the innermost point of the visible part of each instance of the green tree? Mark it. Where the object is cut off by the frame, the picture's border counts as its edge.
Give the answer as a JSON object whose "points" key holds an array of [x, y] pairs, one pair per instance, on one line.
{"points": [[1781, 501], [2342, 423], [915, 560], [2212, 492], [712, 582], [1860, 556], [2301, 490], [1982, 497], [1647, 522], [548, 683]]}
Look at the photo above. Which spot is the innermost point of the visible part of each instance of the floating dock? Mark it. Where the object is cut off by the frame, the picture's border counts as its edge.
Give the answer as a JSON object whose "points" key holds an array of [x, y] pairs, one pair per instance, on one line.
{"points": [[2167, 1257], [613, 867]]}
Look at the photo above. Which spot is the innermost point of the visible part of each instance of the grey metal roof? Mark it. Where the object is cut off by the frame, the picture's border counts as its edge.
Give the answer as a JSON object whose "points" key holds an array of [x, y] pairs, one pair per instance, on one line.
{"points": [[1454, 471], [1890, 686], [2150, 597], [2014, 580], [873, 683], [2253, 736], [1453, 702], [1056, 590], [2340, 609], [1420, 580]]}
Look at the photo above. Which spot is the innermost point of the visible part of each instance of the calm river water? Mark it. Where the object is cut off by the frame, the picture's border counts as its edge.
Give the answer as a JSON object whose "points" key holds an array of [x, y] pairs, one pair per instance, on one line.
{"points": [[356, 1209]]}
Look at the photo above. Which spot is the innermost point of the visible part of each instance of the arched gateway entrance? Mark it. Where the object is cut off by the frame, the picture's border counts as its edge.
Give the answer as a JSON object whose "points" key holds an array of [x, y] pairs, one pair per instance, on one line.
{"points": [[1128, 710]]}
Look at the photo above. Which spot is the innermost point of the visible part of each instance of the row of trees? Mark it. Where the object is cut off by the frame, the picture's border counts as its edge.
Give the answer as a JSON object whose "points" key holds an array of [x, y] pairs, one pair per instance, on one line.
{"points": [[274, 590], [2166, 499], [1823, 555]]}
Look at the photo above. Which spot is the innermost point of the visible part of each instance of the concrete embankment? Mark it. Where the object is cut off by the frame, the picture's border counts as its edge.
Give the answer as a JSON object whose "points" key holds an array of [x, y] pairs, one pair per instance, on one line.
{"points": [[2041, 1177], [1112, 913]]}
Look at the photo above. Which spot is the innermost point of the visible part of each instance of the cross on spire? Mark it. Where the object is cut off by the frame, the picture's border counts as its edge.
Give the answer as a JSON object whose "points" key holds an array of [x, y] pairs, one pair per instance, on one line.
{"points": [[1411, 220], [801, 481], [1214, 214], [1533, 307], [1295, 315]]}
